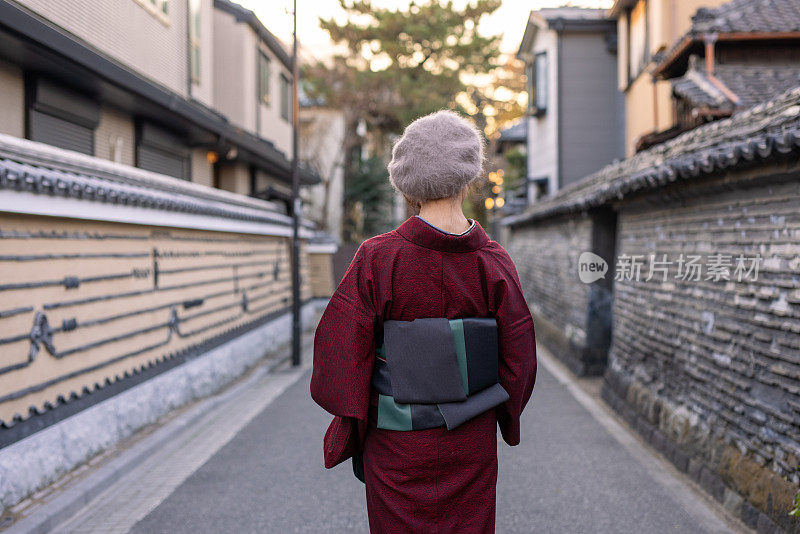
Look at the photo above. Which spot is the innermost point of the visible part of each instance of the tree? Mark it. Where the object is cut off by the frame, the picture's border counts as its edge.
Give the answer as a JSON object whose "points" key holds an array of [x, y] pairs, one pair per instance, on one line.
{"points": [[501, 99], [369, 196], [398, 65]]}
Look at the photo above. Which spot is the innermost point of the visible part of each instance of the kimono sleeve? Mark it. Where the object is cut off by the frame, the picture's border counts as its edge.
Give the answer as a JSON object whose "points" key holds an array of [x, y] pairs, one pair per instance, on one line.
{"points": [[344, 345], [517, 351]]}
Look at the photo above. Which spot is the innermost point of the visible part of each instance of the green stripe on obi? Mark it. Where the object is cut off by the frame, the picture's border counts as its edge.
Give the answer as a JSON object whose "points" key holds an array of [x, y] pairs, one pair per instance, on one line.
{"points": [[457, 327], [393, 416]]}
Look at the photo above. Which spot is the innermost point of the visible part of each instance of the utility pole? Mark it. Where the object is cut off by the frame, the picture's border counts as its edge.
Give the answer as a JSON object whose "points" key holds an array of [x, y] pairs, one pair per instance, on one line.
{"points": [[296, 326]]}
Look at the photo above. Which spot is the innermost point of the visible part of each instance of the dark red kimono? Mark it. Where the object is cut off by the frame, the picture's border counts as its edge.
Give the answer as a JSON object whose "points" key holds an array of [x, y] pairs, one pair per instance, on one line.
{"points": [[422, 480]]}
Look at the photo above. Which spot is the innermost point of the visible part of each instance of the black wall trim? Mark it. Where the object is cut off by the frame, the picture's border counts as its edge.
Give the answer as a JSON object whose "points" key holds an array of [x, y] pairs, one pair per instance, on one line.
{"points": [[89, 397]]}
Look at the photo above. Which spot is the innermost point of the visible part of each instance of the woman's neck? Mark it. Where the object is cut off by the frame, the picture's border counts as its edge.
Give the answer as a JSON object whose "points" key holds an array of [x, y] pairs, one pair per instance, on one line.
{"points": [[445, 214]]}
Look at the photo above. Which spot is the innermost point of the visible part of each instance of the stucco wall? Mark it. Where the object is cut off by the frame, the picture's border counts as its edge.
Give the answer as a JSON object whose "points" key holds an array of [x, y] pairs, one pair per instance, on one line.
{"points": [[235, 58], [115, 137], [321, 274], [646, 110], [12, 101], [111, 292]]}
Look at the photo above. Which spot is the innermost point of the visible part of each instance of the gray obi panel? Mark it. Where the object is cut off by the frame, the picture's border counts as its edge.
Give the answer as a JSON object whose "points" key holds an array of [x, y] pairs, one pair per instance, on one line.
{"points": [[422, 360], [436, 372]]}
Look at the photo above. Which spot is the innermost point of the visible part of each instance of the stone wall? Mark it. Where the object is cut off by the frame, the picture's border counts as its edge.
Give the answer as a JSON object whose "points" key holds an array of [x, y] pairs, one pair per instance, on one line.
{"points": [[546, 254], [706, 366], [713, 365]]}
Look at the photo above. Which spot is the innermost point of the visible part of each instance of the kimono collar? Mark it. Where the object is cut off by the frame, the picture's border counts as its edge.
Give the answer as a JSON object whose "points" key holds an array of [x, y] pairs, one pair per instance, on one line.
{"points": [[423, 234]]}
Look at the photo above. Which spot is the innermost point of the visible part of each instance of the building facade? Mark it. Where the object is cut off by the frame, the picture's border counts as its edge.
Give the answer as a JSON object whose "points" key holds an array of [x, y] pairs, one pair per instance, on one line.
{"points": [[573, 103], [145, 220], [732, 57], [199, 89], [322, 148], [646, 29]]}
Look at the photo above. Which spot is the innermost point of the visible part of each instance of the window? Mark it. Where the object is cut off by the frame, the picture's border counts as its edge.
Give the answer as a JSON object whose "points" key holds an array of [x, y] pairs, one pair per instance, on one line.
{"points": [[263, 77], [286, 98], [194, 40], [159, 8], [638, 53], [537, 85]]}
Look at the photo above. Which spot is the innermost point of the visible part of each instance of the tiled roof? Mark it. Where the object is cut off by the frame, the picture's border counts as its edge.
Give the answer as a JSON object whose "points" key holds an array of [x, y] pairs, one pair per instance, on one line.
{"points": [[752, 84], [571, 13], [516, 133], [40, 169], [762, 133], [697, 88], [737, 17], [748, 16]]}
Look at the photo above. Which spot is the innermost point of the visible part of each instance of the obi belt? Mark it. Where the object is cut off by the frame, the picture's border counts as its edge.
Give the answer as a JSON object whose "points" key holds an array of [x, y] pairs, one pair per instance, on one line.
{"points": [[436, 372]]}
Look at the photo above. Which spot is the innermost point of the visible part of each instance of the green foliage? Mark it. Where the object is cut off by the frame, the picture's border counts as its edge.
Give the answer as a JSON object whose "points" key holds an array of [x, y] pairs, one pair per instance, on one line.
{"points": [[369, 194], [401, 64], [517, 163], [397, 65]]}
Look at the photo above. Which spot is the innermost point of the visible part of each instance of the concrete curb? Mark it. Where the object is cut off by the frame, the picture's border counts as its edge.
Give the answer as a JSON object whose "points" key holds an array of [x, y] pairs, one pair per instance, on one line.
{"points": [[76, 497]]}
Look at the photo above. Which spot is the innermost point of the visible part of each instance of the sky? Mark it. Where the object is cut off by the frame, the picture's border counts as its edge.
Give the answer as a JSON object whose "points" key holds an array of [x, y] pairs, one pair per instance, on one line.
{"points": [[509, 19]]}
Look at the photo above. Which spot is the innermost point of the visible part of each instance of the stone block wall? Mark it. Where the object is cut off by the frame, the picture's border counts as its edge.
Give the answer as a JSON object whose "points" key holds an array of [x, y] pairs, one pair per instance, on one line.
{"points": [[546, 256], [709, 369]]}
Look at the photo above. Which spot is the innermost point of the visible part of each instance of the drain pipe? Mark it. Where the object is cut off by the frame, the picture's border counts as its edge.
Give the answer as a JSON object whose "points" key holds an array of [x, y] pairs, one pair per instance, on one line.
{"points": [[710, 40]]}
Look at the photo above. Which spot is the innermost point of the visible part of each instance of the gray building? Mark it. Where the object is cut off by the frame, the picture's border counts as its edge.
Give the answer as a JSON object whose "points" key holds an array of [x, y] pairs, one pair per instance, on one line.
{"points": [[575, 113]]}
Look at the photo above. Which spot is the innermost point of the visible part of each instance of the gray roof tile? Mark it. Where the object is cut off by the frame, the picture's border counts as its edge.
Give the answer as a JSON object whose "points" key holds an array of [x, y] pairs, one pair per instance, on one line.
{"points": [[752, 84], [748, 16], [516, 133]]}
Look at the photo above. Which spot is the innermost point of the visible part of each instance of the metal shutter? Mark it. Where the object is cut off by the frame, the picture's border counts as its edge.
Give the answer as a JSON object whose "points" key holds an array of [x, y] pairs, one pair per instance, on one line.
{"points": [[162, 151], [155, 160], [46, 128], [60, 116]]}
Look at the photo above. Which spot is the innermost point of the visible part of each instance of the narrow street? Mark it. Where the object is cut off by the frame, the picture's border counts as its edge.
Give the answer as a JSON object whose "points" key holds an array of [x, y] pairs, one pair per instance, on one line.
{"points": [[254, 464]]}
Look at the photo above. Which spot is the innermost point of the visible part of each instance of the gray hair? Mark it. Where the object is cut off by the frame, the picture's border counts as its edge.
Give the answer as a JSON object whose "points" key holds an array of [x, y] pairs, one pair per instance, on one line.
{"points": [[437, 156]]}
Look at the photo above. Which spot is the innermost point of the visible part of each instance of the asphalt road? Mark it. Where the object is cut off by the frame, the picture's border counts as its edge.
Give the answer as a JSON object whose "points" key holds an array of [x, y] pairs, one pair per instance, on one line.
{"points": [[570, 474]]}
